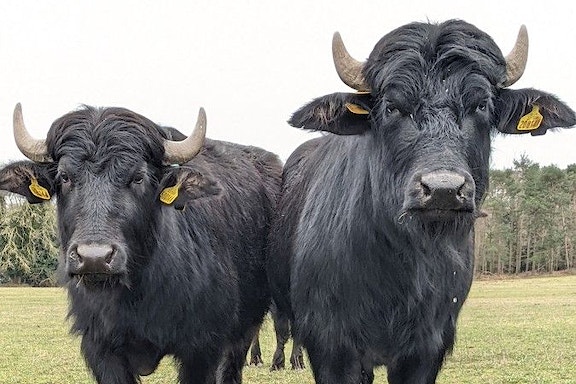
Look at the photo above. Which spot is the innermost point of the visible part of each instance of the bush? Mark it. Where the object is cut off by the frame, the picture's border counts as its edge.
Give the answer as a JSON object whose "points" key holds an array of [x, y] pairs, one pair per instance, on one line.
{"points": [[28, 243]]}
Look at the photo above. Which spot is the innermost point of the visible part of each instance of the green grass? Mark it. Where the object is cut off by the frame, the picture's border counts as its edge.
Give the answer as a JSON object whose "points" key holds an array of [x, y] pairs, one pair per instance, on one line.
{"points": [[510, 331]]}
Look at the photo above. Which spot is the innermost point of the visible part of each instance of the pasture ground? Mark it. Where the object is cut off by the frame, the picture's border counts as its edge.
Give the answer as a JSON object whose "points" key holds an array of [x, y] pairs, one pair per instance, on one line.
{"points": [[510, 331]]}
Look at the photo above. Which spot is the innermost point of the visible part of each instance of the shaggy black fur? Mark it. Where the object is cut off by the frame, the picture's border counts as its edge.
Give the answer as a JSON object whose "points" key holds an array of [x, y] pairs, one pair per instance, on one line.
{"points": [[369, 278], [189, 283]]}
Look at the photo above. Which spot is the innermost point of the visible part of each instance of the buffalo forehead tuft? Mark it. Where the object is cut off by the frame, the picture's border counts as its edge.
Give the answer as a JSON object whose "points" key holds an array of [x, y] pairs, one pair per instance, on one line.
{"points": [[95, 133]]}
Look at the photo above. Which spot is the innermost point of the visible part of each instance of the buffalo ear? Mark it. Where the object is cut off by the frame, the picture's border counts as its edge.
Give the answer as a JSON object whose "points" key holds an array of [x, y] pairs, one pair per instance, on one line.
{"points": [[339, 113], [531, 111], [184, 184], [28, 179]]}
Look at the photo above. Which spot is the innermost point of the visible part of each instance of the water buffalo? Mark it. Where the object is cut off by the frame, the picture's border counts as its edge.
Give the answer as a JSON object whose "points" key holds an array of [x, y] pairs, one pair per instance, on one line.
{"points": [[372, 248], [144, 279]]}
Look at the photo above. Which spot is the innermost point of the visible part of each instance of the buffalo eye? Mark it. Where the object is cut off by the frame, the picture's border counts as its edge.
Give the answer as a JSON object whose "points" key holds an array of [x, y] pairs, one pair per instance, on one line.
{"points": [[481, 107], [65, 181], [392, 110], [138, 179], [64, 178], [396, 108]]}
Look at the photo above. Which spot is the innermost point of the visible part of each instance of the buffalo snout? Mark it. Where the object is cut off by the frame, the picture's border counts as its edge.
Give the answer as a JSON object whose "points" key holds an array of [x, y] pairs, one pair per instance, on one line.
{"points": [[92, 259], [440, 193]]}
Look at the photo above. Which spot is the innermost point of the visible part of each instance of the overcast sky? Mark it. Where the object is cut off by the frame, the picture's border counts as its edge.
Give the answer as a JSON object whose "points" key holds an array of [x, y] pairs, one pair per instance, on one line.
{"points": [[249, 63]]}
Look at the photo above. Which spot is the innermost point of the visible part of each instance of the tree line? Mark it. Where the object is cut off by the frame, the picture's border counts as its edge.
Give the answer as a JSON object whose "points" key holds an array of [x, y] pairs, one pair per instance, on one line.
{"points": [[531, 220], [530, 226]]}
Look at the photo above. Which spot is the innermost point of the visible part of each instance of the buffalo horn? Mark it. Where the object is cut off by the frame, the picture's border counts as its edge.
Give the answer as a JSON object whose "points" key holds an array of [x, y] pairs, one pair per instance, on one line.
{"points": [[30, 147], [348, 68], [516, 59], [179, 152]]}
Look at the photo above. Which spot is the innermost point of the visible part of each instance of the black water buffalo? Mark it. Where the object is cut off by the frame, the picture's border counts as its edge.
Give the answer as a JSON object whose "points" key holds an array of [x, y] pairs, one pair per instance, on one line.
{"points": [[146, 280], [372, 249]]}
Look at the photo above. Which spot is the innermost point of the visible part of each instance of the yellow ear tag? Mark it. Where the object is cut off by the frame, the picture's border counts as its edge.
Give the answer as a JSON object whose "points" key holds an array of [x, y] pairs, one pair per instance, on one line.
{"points": [[168, 195], [38, 190], [531, 120], [356, 109]]}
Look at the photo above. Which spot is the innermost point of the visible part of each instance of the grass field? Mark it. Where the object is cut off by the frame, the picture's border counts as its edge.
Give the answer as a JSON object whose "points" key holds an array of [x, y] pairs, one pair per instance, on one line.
{"points": [[510, 331]]}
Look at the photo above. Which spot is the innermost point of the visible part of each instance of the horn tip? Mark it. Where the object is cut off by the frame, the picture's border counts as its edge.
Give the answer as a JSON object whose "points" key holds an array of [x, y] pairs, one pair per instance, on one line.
{"points": [[17, 116], [523, 32], [202, 115], [337, 39]]}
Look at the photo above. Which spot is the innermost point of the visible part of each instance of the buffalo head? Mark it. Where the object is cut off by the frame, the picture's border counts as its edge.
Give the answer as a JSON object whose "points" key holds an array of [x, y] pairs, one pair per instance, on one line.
{"points": [[428, 98], [113, 172]]}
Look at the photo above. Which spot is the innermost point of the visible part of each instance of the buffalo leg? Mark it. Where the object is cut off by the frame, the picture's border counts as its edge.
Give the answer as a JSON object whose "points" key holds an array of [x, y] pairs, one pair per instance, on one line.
{"points": [[230, 369], [415, 370], [255, 352], [199, 367], [335, 365], [107, 367], [282, 331], [297, 356]]}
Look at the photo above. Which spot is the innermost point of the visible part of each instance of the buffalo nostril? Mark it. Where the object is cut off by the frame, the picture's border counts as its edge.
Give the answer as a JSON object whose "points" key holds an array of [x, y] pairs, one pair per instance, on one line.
{"points": [[73, 255], [462, 192], [426, 190], [93, 258], [444, 190]]}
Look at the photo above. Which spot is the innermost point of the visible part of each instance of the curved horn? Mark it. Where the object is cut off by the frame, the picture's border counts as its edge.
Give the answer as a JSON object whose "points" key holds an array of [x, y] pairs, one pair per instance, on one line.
{"points": [[179, 152], [348, 68], [30, 147], [517, 58]]}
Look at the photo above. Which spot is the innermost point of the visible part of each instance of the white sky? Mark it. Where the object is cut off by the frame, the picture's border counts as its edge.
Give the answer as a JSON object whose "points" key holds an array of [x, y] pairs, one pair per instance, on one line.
{"points": [[249, 63]]}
